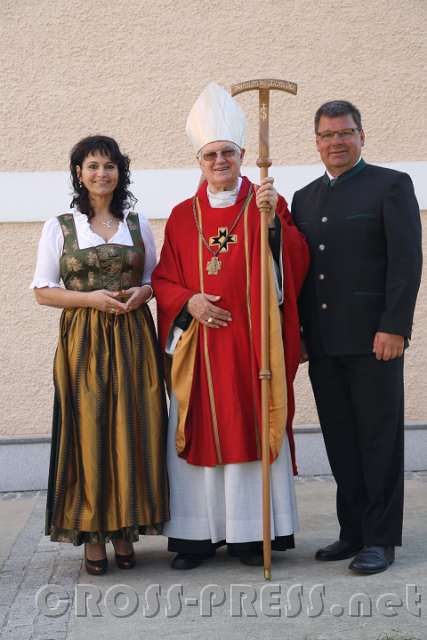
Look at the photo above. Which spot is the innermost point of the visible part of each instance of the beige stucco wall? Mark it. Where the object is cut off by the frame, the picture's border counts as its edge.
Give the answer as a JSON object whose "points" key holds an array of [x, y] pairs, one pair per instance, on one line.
{"points": [[29, 334], [132, 68]]}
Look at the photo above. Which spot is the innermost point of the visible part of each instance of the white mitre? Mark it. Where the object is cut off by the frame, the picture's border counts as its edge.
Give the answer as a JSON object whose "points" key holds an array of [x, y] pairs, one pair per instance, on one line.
{"points": [[215, 116]]}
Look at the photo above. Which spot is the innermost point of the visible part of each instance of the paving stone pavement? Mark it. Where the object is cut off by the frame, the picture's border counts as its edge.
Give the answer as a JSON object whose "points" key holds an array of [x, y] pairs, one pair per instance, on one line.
{"points": [[31, 561], [34, 561]]}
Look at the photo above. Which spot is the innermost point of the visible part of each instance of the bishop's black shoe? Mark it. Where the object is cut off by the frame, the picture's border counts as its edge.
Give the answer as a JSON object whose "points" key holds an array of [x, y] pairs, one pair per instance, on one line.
{"points": [[372, 559], [339, 550], [251, 559], [186, 561]]}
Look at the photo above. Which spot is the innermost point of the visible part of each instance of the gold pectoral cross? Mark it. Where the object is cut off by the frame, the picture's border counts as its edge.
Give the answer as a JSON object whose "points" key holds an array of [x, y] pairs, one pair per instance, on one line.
{"points": [[223, 239], [213, 266]]}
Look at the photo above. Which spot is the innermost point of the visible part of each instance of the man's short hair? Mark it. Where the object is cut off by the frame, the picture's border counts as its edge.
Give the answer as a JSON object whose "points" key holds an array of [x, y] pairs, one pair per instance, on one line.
{"points": [[336, 108]]}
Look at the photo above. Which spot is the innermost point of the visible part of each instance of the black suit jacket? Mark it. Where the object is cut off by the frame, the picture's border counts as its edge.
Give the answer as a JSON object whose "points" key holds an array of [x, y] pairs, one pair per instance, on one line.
{"points": [[364, 235]]}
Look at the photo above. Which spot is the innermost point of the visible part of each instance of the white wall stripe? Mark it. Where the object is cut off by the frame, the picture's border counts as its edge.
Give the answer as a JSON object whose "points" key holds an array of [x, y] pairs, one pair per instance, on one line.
{"points": [[36, 196]]}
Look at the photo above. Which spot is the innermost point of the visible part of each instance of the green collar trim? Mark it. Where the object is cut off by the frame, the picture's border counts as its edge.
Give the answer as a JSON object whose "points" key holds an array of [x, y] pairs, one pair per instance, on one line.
{"points": [[345, 176]]}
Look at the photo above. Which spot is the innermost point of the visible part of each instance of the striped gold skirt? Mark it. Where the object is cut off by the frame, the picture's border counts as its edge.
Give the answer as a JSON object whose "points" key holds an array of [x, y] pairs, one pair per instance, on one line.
{"points": [[107, 475]]}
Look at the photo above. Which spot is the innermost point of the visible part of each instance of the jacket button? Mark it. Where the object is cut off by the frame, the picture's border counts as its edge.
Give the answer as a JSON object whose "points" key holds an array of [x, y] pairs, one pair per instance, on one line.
{"points": [[321, 276], [322, 247], [324, 219], [324, 306]]}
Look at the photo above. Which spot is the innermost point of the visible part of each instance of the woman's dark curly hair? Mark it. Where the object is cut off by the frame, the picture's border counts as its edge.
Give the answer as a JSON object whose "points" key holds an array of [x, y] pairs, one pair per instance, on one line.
{"points": [[108, 147]]}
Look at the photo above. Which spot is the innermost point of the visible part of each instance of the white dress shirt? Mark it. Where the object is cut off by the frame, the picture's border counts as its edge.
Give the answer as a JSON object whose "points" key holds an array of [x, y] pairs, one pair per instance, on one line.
{"points": [[331, 177]]}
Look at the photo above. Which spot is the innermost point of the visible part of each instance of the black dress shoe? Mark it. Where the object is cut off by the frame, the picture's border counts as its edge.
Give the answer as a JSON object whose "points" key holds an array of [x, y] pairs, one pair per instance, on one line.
{"points": [[251, 559], [339, 550], [185, 561], [372, 560]]}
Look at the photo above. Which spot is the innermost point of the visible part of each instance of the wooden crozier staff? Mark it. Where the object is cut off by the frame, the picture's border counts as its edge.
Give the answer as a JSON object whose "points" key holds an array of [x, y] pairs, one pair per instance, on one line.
{"points": [[263, 162]]}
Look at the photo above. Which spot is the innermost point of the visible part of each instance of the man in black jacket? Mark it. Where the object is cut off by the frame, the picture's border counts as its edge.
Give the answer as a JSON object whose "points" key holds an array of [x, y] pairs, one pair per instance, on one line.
{"points": [[362, 223]]}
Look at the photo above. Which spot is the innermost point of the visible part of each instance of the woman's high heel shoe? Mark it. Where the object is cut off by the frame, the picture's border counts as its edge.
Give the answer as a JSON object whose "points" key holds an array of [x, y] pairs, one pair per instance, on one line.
{"points": [[96, 567], [125, 561]]}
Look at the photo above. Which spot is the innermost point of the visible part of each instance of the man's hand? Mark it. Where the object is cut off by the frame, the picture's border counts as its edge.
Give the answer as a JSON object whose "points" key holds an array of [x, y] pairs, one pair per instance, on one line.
{"points": [[266, 197], [303, 355], [201, 308], [387, 346]]}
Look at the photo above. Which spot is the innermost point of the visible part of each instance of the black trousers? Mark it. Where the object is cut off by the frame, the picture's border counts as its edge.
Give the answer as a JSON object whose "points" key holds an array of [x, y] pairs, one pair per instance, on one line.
{"points": [[360, 405]]}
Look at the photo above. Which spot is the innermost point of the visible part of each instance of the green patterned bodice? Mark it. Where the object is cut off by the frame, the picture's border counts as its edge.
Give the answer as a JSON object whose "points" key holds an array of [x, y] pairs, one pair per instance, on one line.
{"points": [[106, 266]]}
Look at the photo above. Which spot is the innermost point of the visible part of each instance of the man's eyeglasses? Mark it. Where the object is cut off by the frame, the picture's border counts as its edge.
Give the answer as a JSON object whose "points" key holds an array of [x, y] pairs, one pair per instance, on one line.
{"points": [[342, 134], [210, 156]]}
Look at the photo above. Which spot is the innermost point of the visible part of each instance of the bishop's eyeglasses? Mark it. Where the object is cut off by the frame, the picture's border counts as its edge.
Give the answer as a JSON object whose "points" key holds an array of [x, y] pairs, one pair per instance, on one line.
{"points": [[227, 153]]}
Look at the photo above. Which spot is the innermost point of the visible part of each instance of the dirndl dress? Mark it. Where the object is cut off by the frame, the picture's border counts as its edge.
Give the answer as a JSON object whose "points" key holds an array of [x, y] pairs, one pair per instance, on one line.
{"points": [[107, 476]]}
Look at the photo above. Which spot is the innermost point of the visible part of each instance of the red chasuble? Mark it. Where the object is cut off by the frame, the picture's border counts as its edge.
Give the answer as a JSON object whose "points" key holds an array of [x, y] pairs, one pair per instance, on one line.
{"points": [[215, 371]]}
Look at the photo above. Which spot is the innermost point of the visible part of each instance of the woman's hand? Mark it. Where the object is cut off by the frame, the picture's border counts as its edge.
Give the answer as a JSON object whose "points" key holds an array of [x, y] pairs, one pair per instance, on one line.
{"points": [[201, 308], [102, 299], [106, 301], [138, 296], [266, 197]]}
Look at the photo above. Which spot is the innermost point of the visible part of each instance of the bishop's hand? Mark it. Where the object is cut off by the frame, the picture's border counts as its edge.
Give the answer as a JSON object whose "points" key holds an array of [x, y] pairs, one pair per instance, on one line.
{"points": [[266, 198], [201, 307]]}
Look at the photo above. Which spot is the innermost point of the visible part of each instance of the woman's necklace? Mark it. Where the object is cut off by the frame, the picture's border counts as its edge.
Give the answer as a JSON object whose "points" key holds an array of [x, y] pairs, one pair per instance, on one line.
{"points": [[108, 223], [213, 266]]}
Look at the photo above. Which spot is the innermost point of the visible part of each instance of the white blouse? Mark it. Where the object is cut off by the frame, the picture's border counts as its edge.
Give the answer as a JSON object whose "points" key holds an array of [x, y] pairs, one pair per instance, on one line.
{"points": [[52, 242]]}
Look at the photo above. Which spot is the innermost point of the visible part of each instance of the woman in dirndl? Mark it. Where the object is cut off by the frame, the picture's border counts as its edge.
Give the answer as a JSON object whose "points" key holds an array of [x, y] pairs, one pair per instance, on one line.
{"points": [[107, 478]]}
